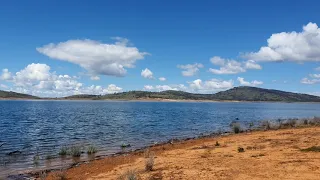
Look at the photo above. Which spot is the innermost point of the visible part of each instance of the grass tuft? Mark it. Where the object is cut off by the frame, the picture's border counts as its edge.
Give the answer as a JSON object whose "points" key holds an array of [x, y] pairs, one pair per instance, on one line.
{"points": [[311, 149], [240, 149], [236, 128], [75, 151], [149, 163], [217, 143], [60, 175], [129, 175], [92, 150], [63, 151]]}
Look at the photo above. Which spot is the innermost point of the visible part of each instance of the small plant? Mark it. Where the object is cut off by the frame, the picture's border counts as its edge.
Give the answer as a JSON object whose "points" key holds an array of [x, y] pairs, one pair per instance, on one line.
{"points": [[149, 164], [236, 128], [217, 143], [63, 151], [312, 149], [36, 159], [129, 175], [60, 175], [92, 150], [75, 151], [266, 124], [240, 149], [48, 157], [43, 175]]}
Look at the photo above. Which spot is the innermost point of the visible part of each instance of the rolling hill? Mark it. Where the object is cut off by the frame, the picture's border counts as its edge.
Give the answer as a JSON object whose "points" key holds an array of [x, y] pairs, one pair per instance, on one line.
{"points": [[14, 95], [242, 93]]}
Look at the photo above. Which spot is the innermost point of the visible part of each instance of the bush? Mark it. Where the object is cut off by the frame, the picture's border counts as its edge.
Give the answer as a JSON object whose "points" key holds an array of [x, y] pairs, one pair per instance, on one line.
{"points": [[149, 164], [63, 151], [60, 175], [217, 143], [129, 175], [92, 150], [236, 128], [312, 149], [75, 151], [240, 149], [266, 125]]}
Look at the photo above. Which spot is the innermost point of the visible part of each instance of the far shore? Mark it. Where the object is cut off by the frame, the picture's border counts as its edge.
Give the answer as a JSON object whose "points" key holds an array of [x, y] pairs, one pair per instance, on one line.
{"points": [[147, 100]]}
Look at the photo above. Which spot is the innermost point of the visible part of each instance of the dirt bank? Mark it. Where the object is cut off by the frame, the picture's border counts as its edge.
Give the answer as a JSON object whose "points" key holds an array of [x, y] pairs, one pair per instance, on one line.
{"points": [[267, 155]]}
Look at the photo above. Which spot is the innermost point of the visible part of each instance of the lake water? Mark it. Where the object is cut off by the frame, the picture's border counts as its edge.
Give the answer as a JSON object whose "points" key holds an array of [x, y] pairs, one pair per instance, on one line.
{"points": [[41, 128]]}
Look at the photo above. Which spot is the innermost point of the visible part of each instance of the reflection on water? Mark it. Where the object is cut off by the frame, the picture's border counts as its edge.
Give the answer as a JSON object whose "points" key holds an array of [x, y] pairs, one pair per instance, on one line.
{"points": [[36, 130]]}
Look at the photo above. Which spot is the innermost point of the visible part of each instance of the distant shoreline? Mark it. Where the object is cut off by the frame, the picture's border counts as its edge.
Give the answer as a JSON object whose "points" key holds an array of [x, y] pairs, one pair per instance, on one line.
{"points": [[150, 100]]}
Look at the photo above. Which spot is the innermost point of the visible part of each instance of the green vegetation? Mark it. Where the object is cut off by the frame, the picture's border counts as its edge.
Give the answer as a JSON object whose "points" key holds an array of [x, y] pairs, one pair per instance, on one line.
{"points": [[312, 149], [10, 94], [129, 175], [92, 150], [240, 149], [242, 93], [236, 128], [75, 151], [63, 151]]}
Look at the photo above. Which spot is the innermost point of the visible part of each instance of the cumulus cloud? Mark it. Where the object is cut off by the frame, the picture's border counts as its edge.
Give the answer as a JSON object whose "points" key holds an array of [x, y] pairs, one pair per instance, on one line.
{"points": [[247, 83], [94, 56], [95, 78], [37, 79], [162, 79], [6, 75], [146, 73], [230, 66], [210, 86], [190, 69], [314, 75], [3, 86], [309, 81], [159, 88], [317, 69], [291, 46], [251, 64]]}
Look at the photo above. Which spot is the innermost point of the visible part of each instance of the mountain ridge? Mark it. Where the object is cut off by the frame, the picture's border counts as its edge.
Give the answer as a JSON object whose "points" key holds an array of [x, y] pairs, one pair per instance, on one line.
{"points": [[241, 93]]}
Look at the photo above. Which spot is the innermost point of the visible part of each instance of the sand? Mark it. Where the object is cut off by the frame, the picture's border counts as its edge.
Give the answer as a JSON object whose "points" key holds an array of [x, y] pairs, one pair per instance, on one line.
{"points": [[272, 154]]}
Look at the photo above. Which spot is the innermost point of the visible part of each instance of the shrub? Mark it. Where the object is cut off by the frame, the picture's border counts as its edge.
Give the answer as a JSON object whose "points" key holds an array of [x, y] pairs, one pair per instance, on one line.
{"points": [[149, 164], [36, 159], [217, 143], [75, 151], [92, 150], [60, 175], [240, 149], [312, 149], [129, 175], [236, 128], [266, 125], [63, 151]]}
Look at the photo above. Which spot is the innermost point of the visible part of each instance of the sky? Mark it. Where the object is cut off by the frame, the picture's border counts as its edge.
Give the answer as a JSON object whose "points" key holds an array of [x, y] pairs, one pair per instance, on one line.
{"points": [[60, 48]]}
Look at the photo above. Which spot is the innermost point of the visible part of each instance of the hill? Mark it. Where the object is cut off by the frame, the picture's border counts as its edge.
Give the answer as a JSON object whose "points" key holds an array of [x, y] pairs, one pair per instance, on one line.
{"points": [[242, 93], [14, 95]]}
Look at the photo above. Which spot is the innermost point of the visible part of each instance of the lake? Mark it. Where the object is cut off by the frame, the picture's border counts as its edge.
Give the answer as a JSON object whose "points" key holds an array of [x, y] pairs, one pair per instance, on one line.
{"points": [[40, 128]]}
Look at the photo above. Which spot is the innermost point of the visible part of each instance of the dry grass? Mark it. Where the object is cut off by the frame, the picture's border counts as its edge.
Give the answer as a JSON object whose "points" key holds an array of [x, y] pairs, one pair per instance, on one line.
{"points": [[129, 175]]}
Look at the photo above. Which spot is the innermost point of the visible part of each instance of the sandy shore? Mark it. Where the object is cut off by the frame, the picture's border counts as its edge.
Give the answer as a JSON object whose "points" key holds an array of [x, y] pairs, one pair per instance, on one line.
{"points": [[267, 155]]}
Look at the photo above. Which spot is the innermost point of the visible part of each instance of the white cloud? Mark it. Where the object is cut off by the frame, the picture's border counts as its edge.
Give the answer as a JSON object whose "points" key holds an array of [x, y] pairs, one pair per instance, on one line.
{"points": [[162, 79], [309, 81], [146, 73], [6, 75], [216, 60], [94, 56], [95, 78], [159, 88], [314, 75], [37, 79], [291, 46], [148, 87], [252, 65], [317, 69], [210, 86], [247, 83], [190, 69], [230, 66]]}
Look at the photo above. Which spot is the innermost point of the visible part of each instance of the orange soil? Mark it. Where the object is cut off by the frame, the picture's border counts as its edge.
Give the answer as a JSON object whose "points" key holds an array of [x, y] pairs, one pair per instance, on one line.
{"points": [[268, 155]]}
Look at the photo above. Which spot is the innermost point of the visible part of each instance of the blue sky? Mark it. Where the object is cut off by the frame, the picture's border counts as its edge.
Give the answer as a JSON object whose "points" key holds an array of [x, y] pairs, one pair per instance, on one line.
{"points": [[56, 48]]}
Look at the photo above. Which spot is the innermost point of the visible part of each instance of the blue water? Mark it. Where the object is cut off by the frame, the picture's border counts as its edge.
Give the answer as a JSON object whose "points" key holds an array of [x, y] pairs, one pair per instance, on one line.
{"points": [[43, 127]]}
